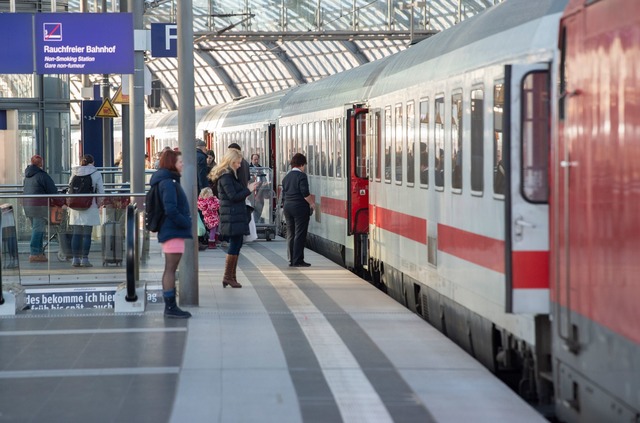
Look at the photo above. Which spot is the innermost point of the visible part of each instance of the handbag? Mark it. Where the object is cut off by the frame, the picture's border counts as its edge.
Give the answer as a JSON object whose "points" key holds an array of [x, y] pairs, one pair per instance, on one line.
{"points": [[201, 229], [55, 215], [253, 231]]}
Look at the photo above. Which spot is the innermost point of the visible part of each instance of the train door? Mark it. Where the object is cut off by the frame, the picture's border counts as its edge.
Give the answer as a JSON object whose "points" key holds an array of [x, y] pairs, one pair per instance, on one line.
{"points": [[526, 160], [358, 185]]}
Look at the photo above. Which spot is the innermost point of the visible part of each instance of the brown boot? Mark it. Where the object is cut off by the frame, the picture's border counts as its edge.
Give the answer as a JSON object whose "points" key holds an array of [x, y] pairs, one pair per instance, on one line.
{"points": [[230, 272]]}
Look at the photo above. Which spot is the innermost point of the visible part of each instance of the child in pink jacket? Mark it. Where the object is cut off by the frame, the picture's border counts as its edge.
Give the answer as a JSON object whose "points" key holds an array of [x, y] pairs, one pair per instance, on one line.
{"points": [[208, 204]]}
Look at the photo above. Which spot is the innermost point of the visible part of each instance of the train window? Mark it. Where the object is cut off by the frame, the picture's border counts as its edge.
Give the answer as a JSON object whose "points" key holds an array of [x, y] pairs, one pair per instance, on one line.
{"points": [[310, 130], [361, 146], [284, 137], [331, 148], [477, 133], [439, 140], [399, 141], [377, 141], [316, 146], [456, 141], [338, 148], [411, 140], [291, 142], [498, 124], [387, 144], [309, 141], [535, 137], [424, 142], [323, 148], [304, 145]]}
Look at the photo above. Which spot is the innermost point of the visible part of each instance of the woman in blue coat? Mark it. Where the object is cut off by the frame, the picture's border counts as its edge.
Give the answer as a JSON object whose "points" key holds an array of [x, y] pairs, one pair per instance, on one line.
{"points": [[175, 228], [234, 218]]}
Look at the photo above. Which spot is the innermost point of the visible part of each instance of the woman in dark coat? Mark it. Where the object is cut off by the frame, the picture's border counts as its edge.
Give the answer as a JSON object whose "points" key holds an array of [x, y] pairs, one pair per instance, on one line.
{"points": [[234, 217], [175, 228], [298, 207]]}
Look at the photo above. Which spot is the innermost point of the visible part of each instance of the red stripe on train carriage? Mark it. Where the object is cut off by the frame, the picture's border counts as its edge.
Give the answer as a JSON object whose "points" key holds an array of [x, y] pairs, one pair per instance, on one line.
{"points": [[481, 250], [333, 207], [399, 223], [530, 268]]}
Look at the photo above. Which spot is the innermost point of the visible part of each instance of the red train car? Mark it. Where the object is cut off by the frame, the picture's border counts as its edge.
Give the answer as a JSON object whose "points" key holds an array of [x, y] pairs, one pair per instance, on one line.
{"points": [[595, 214]]}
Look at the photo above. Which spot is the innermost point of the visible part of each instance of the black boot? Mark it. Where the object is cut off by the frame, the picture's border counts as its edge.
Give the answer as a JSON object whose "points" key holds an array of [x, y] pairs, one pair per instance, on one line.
{"points": [[172, 311]]}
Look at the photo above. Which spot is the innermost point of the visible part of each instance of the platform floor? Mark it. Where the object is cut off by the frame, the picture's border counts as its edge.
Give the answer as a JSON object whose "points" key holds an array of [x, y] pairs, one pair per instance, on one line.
{"points": [[313, 344]]}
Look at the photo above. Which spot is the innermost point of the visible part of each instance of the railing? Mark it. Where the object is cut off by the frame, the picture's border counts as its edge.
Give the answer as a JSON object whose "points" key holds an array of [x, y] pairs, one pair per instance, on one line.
{"points": [[56, 215], [119, 240]]}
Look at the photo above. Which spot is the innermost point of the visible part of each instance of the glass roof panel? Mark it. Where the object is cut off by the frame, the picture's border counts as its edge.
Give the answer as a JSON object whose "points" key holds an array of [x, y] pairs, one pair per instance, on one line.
{"points": [[255, 68]]}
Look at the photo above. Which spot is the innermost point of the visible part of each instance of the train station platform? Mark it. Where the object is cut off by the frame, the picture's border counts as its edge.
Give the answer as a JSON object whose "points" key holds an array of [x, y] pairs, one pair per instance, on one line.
{"points": [[313, 344]]}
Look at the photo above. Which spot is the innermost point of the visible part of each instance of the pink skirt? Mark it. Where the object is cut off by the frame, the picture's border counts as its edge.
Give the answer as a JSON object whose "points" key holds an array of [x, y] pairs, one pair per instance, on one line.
{"points": [[173, 246]]}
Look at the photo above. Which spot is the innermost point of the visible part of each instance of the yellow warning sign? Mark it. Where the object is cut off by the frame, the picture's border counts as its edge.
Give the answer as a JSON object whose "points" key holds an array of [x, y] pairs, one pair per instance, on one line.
{"points": [[107, 110], [120, 98]]}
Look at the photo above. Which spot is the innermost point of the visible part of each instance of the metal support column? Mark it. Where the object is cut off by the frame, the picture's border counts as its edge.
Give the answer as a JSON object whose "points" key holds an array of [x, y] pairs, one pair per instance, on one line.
{"points": [[186, 135], [126, 148], [136, 109], [107, 153]]}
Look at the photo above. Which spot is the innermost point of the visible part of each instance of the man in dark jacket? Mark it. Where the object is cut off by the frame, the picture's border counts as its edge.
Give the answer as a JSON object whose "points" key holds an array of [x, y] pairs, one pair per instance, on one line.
{"points": [[203, 182], [243, 172], [37, 181], [201, 161]]}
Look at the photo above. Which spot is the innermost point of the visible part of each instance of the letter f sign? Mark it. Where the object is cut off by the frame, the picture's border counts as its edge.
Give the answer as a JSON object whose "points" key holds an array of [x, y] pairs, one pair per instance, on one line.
{"points": [[170, 33]]}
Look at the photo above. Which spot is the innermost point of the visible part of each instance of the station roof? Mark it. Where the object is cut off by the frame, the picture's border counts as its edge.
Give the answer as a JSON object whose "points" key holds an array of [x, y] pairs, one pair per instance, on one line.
{"points": [[253, 47]]}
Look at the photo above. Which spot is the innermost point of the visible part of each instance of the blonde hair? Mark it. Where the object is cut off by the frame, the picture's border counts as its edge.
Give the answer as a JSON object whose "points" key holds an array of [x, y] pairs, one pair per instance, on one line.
{"points": [[225, 164], [206, 193]]}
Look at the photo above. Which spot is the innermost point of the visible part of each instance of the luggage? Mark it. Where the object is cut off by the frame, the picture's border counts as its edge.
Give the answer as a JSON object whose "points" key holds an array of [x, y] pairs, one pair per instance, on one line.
{"points": [[112, 243]]}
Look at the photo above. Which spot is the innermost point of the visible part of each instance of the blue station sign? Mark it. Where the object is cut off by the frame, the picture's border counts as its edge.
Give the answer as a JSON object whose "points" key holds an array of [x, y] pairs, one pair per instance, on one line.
{"points": [[84, 43], [164, 40], [16, 43]]}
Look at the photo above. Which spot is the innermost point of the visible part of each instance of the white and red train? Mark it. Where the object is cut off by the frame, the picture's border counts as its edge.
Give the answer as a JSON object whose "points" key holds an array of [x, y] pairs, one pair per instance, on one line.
{"points": [[488, 178]]}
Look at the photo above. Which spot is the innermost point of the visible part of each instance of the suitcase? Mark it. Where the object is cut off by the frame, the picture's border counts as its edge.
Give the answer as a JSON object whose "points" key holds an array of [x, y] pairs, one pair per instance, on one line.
{"points": [[112, 244]]}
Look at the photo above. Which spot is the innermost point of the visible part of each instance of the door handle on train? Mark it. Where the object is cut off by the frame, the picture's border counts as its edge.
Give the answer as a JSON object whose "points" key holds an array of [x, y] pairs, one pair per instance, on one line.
{"points": [[520, 224], [566, 163]]}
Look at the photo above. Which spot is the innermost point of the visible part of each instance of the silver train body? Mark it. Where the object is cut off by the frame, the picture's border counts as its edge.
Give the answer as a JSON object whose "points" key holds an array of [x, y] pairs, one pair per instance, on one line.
{"points": [[407, 162]]}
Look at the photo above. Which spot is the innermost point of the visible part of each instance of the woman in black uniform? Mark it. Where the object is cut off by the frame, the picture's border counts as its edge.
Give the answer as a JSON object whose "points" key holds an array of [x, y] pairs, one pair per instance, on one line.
{"points": [[298, 207]]}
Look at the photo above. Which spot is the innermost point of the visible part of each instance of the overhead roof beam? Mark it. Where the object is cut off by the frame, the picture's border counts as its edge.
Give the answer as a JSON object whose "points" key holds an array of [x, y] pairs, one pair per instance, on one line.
{"points": [[276, 50], [234, 92], [267, 36], [357, 53]]}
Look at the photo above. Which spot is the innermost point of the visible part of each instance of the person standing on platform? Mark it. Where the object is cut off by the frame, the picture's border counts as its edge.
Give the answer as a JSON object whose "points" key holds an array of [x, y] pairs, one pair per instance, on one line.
{"points": [[255, 160], [234, 218], [243, 172], [201, 161], [261, 191], [209, 205], [298, 207], [37, 181], [211, 160], [175, 228], [203, 182], [83, 221]]}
